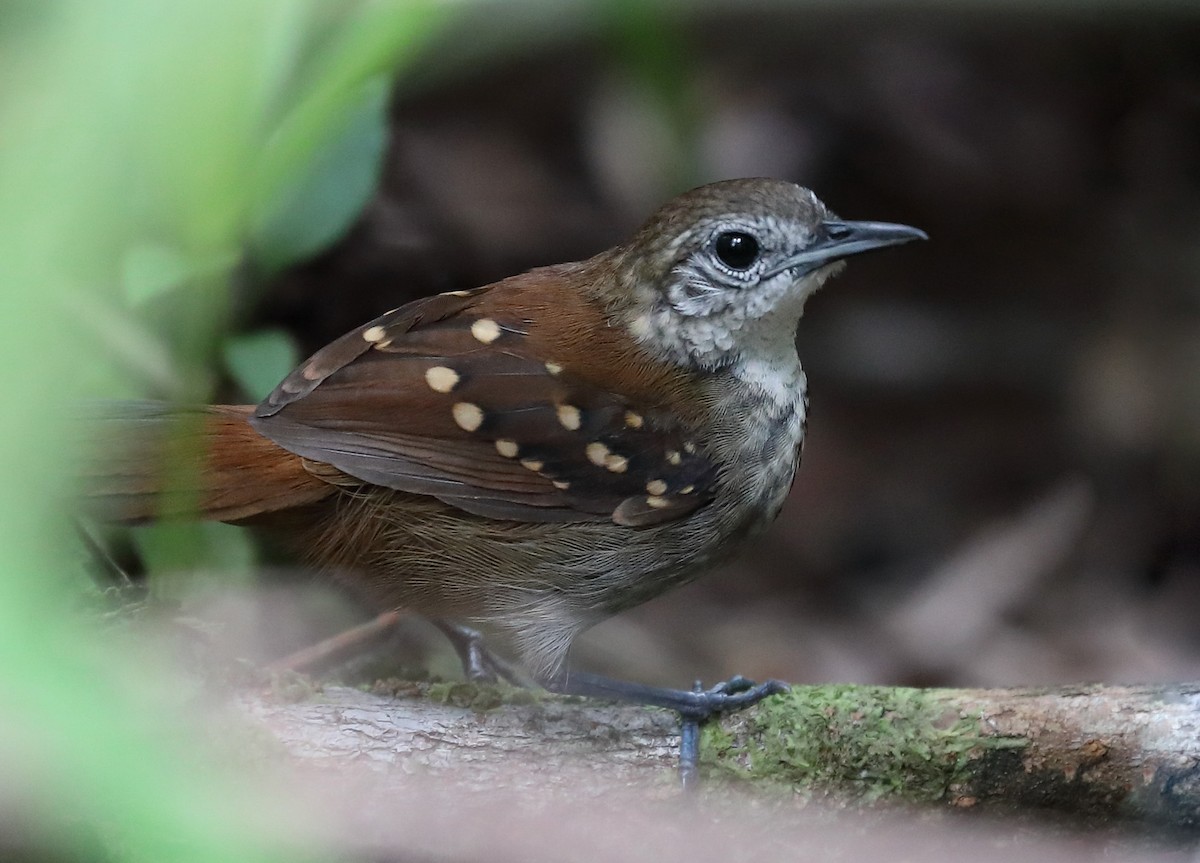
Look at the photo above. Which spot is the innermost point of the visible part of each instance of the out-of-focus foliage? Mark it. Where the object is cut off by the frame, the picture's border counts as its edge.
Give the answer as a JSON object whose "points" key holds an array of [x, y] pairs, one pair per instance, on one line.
{"points": [[329, 190], [258, 361], [146, 145]]}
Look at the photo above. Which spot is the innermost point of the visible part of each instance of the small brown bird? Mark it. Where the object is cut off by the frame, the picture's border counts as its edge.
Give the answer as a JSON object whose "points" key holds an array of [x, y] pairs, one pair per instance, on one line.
{"points": [[545, 451]]}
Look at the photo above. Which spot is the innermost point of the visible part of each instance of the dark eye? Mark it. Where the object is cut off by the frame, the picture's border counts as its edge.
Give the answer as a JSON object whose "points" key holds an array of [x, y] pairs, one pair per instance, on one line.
{"points": [[736, 249]]}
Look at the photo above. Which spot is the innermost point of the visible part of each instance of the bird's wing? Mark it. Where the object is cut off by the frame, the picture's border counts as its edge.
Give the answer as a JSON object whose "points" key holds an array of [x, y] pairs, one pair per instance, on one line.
{"points": [[443, 397]]}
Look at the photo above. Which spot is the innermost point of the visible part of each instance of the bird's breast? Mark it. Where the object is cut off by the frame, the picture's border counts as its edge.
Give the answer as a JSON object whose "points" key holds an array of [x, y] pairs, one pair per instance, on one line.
{"points": [[762, 411]]}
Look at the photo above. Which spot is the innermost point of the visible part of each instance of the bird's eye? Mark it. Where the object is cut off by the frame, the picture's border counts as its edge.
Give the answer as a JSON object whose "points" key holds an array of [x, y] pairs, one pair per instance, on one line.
{"points": [[736, 249]]}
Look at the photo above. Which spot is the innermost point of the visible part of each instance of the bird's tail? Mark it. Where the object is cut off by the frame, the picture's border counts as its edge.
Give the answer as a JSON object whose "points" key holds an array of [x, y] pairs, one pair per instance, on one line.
{"points": [[151, 460]]}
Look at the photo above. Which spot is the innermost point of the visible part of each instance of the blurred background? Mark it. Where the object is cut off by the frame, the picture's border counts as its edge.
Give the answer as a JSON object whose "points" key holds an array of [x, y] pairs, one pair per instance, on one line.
{"points": [[1001, 482]]}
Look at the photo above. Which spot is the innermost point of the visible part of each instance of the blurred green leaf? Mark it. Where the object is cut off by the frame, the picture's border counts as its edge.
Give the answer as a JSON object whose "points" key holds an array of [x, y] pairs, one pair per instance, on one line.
{"points": [[329, 191], [139, 137], [338, 83], [258, 361], [150, 269], [225, 553]]}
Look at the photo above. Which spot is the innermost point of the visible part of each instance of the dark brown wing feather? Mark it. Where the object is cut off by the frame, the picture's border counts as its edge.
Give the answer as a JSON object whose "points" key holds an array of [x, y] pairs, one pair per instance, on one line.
{"points": [[440, 397]]}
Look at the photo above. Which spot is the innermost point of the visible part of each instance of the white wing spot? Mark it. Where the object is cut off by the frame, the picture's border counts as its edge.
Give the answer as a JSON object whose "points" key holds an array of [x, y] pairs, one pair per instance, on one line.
{"points": [[674, 457], [485, 330], [374, 334], [616, 463], [597, 453], [468, 416], [441, 379], [532, 464], [507, 448], [560, 484], [656, 487], [656, 502], [633, 419], [554, 368], [570, 417]]}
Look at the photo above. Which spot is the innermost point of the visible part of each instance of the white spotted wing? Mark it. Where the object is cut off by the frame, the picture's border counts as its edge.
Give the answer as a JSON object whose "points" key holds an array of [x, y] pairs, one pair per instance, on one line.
{"points": [[438, 398]]}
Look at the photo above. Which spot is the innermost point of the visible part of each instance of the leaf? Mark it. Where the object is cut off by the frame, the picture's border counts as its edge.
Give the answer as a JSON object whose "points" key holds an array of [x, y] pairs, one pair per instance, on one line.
{"points": [[326, 195], [258, 361], [174, 550]]}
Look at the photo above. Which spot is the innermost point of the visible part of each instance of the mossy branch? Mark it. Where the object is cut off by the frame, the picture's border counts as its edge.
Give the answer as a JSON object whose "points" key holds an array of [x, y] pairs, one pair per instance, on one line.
{"points": [[1099, 752], [1096, 752]]}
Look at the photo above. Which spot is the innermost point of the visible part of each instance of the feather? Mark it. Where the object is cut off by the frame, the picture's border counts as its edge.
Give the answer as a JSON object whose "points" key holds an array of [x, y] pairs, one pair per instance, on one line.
{"points": [[458, 397]]}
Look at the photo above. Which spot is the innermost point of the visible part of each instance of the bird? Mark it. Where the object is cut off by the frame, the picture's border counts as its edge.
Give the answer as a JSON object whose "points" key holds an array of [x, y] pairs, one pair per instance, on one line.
{"points": [[540, 453]]}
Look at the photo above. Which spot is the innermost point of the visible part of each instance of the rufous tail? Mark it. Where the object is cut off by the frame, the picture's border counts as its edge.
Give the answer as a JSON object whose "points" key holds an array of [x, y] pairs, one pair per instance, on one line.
{"points": [[150, 460]]}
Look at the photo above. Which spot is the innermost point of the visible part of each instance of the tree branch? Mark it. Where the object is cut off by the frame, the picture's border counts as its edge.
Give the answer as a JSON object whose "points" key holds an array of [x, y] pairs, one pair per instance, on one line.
{"points": [[1097, 752]]}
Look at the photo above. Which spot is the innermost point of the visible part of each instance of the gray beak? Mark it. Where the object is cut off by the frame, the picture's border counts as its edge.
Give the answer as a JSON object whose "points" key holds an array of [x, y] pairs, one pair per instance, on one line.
{"points": [[836, 240]]}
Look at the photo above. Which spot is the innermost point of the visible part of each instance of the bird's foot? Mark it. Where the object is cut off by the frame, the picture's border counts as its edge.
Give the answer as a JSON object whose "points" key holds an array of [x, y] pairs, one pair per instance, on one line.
{"points": [[695, 706], [735, 693], [479, 664]]}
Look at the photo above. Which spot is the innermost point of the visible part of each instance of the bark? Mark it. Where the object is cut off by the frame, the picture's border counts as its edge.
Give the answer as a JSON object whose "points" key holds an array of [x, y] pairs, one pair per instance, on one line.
{"points": [[1097, 752]]}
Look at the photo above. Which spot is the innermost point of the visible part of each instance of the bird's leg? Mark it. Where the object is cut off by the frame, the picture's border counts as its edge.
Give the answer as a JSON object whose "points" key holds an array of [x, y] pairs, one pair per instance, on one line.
{"points": [[694, 706], [479, 663], [689, 746], [337, 648]]}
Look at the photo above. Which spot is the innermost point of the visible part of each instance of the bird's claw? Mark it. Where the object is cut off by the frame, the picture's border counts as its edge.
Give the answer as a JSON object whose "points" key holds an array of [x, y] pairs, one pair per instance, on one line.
{"points": [[735, 693]]}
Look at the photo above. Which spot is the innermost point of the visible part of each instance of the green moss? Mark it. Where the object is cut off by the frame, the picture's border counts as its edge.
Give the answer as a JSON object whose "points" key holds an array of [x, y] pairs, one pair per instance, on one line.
{"points": [[479, 697], [292, 687], [866, 742]]}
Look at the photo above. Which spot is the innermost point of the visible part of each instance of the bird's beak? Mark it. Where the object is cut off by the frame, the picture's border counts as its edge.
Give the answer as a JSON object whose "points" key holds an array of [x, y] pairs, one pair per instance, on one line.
{"points": [[836, 240]]}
